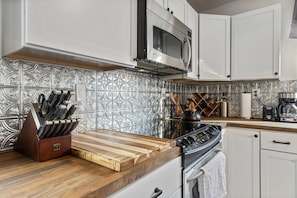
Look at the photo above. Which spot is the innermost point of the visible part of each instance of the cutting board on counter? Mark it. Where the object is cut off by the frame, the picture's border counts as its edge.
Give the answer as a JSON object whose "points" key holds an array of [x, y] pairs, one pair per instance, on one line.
{"points": [[117, 150]]}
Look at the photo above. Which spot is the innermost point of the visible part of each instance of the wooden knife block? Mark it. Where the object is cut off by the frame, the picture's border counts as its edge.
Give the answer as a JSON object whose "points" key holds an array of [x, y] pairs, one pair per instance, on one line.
{"points": [[30, 145]]}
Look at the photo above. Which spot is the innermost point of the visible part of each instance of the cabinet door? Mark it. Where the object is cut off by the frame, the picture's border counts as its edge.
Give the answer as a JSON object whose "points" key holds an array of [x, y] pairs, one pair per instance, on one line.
{"points": [[166, 178], [214, 47], [243, 164], [161, 2], [94, 28], [255, 44], [1, 28], [178, 9], [278, 174], [192, 23]]}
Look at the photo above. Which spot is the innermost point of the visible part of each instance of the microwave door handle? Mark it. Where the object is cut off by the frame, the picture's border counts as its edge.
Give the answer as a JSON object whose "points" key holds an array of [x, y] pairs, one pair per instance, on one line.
{"points": [[190, 53]]}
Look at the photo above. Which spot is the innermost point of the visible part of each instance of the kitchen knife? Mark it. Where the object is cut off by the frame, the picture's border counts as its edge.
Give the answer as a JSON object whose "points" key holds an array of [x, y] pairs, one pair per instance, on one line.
{"points": [[59, 100], [65, 126], [43, 107], [44, 129], [68, 95], [72, 126], [52, 129], [59, 111], [53, 97], [68, 127], [58, 128], [71, 111], [66, 102]]}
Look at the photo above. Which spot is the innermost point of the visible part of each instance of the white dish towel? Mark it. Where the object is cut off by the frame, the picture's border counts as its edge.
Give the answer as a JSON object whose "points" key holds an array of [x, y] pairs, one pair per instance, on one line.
{"points": [[212, 183]]}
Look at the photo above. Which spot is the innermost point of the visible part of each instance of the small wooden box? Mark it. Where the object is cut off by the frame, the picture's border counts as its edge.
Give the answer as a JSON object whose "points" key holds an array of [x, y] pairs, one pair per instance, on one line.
{"points": [[30, 145]]}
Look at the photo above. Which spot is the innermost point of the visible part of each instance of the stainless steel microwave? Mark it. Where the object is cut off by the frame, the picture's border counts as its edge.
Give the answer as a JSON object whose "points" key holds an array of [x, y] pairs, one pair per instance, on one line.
{"points": [[163, 42]]}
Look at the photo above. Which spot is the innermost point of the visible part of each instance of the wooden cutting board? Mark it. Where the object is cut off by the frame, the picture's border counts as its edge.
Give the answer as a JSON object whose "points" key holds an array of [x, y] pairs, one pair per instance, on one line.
{"points": [[117, 150]]}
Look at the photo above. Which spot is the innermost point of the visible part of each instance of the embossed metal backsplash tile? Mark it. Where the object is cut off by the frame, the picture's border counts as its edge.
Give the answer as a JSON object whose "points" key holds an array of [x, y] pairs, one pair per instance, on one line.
{"points": [[117, 100]]}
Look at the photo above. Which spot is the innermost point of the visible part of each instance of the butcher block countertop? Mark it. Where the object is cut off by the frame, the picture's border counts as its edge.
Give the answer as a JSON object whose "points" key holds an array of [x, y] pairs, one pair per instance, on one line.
{"points": [[252, 123], [70, 176]]}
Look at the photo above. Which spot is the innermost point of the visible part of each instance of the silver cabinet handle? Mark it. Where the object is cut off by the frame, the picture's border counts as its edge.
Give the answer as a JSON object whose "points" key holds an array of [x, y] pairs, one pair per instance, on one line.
{"points": [[278, 142]]}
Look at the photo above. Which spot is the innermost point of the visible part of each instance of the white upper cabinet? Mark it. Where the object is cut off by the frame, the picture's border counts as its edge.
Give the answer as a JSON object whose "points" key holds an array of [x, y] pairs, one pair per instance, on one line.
{"points": [[192, 23], [214, 47], [176, 7], [1, 28], [288, 45], [96, 30], [255, 44]]}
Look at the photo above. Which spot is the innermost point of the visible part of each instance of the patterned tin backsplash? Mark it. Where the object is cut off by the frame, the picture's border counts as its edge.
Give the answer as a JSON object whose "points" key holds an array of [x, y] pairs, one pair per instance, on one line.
{"points": [[118, 100]]}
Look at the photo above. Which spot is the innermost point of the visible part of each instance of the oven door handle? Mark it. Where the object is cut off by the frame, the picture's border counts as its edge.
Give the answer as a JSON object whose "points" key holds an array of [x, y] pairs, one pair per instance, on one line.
{"points": [[201, 172]]}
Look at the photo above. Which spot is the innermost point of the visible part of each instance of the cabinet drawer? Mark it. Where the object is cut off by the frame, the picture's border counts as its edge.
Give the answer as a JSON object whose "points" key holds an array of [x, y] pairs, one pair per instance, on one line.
{"points": [[166, 178], [279, 141]]}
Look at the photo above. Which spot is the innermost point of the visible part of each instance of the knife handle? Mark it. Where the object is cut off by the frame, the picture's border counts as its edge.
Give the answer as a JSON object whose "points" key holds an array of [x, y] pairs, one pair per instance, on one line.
{"points": [[65, 127], [58, 112], [58, 128], [44, 129], [52, 129], [71, 111], [72, 126], [68, 95], [53, 97]]}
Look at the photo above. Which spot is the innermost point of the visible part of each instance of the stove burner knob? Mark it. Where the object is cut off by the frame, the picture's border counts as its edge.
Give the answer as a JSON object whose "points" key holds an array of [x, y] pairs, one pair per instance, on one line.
{"points": [[185, 142], [191, 139]]}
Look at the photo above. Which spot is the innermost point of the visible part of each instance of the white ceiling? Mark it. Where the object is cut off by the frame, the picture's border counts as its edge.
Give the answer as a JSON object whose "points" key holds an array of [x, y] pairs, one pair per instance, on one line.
{"points": [[229, 7]]}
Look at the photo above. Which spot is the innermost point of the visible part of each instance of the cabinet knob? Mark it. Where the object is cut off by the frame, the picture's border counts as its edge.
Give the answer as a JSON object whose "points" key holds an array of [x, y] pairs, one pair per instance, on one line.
{"points": [[276, 73], [228, 76], [171, 12], [168, 9], [256, 136], [157, 193]]}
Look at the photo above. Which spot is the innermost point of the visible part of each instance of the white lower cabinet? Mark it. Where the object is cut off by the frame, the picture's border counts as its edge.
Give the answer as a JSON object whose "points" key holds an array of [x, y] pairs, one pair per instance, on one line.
{"points": [[278, 174], [243, 163], [166, 178], [278, 165]]}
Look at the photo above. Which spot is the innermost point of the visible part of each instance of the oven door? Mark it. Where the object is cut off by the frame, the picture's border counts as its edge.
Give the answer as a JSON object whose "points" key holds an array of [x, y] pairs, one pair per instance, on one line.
{"points": [[193, 172], [168, 44]]}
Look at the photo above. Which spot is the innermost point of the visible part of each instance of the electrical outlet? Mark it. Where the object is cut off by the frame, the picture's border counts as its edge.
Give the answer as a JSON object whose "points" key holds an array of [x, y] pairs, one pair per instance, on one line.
{"points": [[256, 92]]}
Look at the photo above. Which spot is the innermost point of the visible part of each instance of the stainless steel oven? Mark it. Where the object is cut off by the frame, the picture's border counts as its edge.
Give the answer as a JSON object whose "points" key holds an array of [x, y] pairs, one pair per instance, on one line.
{"points": [[198, 148], [163, 42], [192, 173], [199, 144]]}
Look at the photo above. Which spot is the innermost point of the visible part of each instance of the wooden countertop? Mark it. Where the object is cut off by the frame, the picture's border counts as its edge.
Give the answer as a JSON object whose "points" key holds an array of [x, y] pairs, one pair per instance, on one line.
{"points": [[252, 123], [69, 176]]}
